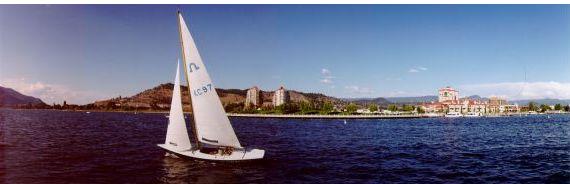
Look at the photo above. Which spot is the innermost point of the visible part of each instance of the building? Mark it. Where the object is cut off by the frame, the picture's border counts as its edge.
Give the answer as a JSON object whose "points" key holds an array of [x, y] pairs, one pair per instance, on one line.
{"points": [[498, 106], [280, 97], [464, 106], [449, 101], [253, 98], [432, 107], [447, 94], [497, 101]]}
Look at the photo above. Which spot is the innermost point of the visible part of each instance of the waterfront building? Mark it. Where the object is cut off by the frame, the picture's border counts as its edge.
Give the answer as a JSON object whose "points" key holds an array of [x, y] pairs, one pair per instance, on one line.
{"points": [[253, 98], [449, 101], [432, 107], [499, 105], [497, 101], [509, 108], [447, 94], [280, 97]]}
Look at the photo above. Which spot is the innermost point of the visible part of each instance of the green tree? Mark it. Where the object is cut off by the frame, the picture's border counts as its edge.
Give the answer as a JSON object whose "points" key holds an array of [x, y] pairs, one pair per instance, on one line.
{"points": [[407, 108], [392, 107], [327, 108], [567, 108], [351, 108], [373, 107], [544, 108], [287, 108], [532, 106], [558, 107], [305, 107], [420, 110]]}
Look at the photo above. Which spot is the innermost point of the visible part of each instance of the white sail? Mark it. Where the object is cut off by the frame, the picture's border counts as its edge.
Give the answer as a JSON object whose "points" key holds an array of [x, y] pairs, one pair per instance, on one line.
{"points": [[212, 124], [177, 135]]}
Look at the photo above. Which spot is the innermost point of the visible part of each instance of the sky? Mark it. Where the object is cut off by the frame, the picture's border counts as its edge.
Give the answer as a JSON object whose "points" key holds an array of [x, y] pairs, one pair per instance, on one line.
{"points": [[83, 53]]}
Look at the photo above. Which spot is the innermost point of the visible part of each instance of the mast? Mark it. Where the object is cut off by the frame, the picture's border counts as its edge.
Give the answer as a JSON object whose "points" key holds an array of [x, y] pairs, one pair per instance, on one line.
{"points": [[193, 123]]}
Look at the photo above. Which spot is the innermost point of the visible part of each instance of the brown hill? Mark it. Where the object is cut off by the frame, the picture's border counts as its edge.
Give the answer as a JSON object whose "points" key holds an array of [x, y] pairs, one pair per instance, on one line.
{"points": [[158, 98], [12, 98]]}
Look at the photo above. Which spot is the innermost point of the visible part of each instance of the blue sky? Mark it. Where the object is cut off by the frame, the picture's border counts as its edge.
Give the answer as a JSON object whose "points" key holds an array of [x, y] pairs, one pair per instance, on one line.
{"points": [[81, 53]]}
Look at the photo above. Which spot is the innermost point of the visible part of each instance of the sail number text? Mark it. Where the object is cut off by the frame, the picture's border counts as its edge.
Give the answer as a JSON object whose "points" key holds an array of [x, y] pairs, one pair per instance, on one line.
{"points": [[203, 90]]}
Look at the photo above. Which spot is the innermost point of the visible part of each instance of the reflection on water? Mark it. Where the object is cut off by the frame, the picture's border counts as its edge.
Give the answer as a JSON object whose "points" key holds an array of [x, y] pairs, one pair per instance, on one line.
{"points": [[175, 170], [74, 147]]}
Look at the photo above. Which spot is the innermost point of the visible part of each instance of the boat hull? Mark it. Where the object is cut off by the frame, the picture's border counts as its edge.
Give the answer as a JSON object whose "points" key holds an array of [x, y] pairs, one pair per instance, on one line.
{"points": [[236, 155]]}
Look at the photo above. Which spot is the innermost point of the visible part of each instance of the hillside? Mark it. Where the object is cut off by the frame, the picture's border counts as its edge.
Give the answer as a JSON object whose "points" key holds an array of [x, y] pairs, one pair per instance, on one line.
{"points": [[12, 98], [367, 101], [158, 98], [419, 99], [543, 101]]}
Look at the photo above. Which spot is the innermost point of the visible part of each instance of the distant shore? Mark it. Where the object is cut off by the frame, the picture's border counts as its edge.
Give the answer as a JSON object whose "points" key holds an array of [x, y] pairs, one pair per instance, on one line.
{"points": [[304, 116], [318, 116]]}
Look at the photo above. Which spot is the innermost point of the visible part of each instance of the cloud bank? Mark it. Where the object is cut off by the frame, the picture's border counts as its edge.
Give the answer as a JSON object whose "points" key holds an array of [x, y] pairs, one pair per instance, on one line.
{"points": [[50, 93], [519, 90], [359, 90]]}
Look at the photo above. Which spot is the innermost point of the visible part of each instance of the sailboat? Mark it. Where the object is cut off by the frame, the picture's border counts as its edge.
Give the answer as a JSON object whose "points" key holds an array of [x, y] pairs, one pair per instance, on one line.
{"points": [[214, 137]]}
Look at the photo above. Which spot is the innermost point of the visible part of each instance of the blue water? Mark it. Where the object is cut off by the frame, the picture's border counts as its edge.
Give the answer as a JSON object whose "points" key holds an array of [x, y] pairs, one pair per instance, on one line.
{"points": [[42, 146]]}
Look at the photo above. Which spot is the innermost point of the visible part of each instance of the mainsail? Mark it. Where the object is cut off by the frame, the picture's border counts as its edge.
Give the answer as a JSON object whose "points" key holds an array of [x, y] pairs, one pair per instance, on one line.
{"points": [[212, 125], [177, 135]]}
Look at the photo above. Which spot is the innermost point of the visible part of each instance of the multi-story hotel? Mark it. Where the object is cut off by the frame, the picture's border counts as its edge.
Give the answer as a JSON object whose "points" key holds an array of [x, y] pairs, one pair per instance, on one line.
{"points": [[253, 98], [280, 97], [447, 94], [449, 101]]}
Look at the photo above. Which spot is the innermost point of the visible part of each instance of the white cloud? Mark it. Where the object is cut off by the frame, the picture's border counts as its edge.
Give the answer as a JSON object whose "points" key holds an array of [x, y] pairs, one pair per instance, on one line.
{"points": [[519, 90], [359, 90], [50, 93], [326, 81], [393, 79], [326, 76], [417, 69]]}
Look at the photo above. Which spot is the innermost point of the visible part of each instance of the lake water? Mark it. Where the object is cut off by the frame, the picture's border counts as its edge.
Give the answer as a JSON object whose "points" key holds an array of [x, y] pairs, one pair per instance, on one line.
{"points": [[43, 146]]}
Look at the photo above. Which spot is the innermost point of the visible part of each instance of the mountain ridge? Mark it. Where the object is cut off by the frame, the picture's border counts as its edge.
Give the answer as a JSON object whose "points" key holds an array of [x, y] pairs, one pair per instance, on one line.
{"points": [[12, 98]]}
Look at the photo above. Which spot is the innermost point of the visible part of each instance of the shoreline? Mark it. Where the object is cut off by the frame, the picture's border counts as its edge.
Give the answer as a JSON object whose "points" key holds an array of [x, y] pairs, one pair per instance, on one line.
{"points": [[304, 116], [318, 116]]}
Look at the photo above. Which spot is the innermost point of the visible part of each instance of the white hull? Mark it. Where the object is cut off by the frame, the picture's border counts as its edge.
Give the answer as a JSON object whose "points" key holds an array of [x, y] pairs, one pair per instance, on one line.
{"points": [[453, 115], [236, 155]]}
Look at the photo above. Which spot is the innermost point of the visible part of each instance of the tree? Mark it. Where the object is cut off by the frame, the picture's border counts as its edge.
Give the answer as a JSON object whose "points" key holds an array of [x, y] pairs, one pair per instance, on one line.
{"points": [[327, 108], [532, 106], [544, 108], [407, 108], [305, 107], [567, 108], [392, 107], [234, 107], [373, 107], [286, 108], [558, 107], [351, 108], [420, 110]]}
